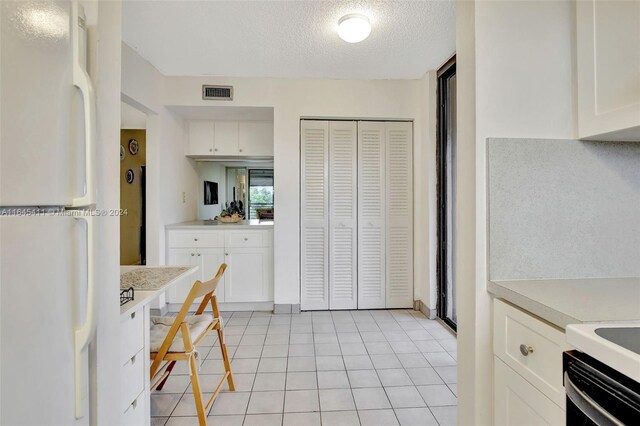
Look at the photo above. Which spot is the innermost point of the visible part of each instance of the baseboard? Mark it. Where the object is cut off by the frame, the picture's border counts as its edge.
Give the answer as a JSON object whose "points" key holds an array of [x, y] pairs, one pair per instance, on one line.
{"points": [[164, 310], [286, 308], [420, 306]]}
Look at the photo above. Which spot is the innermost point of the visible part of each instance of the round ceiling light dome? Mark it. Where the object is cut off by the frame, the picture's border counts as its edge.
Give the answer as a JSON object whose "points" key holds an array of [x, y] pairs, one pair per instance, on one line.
{"points": [[354, 28]]}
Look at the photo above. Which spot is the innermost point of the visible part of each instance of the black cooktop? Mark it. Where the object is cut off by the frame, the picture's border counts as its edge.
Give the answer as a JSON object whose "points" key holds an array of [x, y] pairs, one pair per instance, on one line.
{"points": [[627, 337]]}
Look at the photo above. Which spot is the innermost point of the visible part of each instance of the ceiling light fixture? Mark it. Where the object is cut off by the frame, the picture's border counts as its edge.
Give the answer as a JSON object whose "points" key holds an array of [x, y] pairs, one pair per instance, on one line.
{"points": [[354, 28]]}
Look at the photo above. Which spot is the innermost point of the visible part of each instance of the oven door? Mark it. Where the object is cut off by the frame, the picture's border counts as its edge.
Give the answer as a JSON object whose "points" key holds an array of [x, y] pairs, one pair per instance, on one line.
{"points": [[597, 394]]}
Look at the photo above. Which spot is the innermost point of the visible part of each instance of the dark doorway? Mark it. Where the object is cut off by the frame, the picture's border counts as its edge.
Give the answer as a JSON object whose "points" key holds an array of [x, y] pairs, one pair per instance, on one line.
{"points": [[446, 187]]}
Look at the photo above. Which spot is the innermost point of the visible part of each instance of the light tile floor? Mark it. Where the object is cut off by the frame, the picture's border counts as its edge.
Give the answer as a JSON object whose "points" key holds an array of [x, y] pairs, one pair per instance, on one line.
{"points": [[388, 367]]}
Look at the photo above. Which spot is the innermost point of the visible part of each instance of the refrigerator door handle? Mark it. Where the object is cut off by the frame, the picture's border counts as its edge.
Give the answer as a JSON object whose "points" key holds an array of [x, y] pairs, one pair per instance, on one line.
{"points": [[82, 81], [85, 334]]}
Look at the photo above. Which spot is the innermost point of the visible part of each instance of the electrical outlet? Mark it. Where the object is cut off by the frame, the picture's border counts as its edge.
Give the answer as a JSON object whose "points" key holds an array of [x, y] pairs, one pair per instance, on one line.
{"points": [[184, 197]]}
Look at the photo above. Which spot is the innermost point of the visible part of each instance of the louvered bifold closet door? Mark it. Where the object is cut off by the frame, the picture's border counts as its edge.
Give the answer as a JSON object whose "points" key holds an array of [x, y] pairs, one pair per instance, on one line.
{"points": [[399, 215], [314, 212], [343, 166], [371, 215]]}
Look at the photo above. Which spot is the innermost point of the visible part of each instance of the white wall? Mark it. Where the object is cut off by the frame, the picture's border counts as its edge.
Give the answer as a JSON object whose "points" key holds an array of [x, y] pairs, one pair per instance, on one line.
{"points": [[171, 177], [132, 118], [425, 203], [291, 100], [104, 69], [515, 79]]}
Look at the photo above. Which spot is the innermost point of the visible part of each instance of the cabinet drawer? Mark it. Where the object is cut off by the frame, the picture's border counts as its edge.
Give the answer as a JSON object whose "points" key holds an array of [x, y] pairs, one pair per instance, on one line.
{"points": [[237, 239], [188, 239], [131, 335], [542, 365], [517, 402], [136, 412], [132, 380]]}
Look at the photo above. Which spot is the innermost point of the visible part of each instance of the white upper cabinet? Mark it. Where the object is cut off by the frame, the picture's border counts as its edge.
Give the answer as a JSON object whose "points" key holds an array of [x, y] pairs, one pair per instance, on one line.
{"points": [[256, 139], [608, 65], [200, 138], [230, 138], [225, 141]]}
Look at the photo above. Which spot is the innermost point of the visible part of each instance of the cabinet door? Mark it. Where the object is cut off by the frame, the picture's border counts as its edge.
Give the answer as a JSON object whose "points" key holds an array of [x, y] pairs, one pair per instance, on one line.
{"points": [[200, 138], [517, 402], [183, 257], [226, 138], [608, 62], [314, 199], [399, 214], [249, 275], [256, 139], [343, 272], [210, 260], [371, 215]]}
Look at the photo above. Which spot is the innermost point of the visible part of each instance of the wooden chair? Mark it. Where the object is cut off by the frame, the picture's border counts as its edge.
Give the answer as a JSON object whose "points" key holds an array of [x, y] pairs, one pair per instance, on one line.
{"points": [[182, 334]]}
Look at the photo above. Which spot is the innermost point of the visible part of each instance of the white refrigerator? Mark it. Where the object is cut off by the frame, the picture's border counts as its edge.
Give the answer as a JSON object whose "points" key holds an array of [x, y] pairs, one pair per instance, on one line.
{"points": [[47, 193]]}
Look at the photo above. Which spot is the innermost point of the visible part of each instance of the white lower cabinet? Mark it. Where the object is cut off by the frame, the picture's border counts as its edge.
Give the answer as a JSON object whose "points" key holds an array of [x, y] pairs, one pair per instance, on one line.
{"points": [[517, 402], [208, 260], [247, 253], [248, 275], [134, 371], [528, 387]]}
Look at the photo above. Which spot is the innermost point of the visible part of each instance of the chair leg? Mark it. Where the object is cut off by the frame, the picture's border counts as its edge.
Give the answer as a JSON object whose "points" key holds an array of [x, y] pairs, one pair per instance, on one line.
{"points": [[197, 392], [225, 358], [169, 370]]}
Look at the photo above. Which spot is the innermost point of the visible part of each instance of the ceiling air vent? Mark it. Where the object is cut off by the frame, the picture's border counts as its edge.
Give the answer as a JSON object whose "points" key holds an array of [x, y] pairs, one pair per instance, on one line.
{"points": [[217, 93]]}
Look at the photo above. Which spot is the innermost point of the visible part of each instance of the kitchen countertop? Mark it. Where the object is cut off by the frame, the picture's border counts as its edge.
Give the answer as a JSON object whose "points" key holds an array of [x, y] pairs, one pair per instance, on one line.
{"points": [[214, 224], [160, 279], [570, 301]]}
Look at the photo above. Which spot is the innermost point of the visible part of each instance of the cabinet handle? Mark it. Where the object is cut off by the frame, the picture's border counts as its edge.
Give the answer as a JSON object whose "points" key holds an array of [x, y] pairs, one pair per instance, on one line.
{"points": [[246, 239], [240, 149], [195, 239], [216, 149], [210, 149], [226, 254], [198, 254], [192, 254], [525, 350]]}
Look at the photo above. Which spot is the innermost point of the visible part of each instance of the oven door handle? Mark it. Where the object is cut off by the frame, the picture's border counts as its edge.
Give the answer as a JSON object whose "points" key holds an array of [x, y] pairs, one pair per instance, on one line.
{"points": [[588, 406]]}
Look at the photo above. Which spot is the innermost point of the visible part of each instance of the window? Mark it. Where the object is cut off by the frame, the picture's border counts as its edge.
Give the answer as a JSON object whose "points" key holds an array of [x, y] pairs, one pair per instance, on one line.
{"points": [[260, 191]]}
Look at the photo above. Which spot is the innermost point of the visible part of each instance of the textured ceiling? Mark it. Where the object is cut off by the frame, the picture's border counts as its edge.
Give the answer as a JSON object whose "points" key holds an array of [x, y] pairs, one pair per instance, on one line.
{"points": [[290, 38]]}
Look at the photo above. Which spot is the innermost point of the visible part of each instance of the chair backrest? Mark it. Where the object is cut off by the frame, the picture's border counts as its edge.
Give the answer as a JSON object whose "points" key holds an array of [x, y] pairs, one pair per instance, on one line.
{"points": [[210, 286], [198, 289]]}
